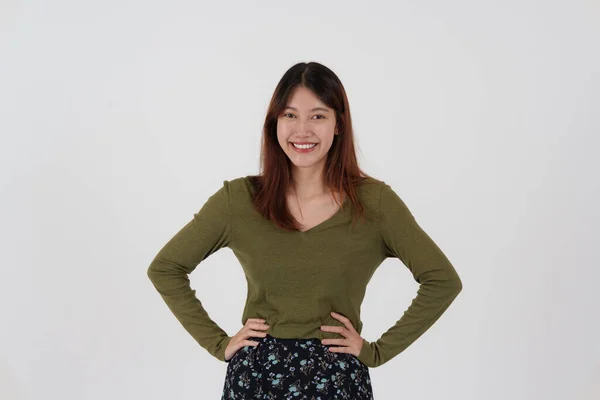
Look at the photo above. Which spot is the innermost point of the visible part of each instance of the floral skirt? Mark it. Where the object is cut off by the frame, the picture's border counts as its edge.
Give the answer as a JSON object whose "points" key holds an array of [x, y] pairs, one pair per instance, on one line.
{"points": [[299, 369]]}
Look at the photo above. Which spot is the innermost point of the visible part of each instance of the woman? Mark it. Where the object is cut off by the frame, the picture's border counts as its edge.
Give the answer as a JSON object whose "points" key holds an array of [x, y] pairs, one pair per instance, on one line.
{"points": [[309, 232]]}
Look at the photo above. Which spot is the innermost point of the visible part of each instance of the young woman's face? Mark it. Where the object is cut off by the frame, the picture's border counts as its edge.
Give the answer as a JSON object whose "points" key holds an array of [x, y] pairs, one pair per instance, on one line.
{"points": [[306, 121]]}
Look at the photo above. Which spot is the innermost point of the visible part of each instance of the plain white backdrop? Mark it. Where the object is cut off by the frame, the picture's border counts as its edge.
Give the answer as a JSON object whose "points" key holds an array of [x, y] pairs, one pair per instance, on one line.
{"points": [[119, 118]]}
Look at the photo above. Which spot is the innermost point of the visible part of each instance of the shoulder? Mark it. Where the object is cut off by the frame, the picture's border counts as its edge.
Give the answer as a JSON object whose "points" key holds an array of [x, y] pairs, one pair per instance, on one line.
{"points": [[239, 185], [378, 187], [239, 191], [383, 197], [370, 189], [369, 184], [367, 190]]}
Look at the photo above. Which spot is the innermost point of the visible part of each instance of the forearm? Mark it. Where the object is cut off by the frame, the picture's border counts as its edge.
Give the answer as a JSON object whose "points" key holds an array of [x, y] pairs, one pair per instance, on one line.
{"points": [[173, 284], [432, 300]]}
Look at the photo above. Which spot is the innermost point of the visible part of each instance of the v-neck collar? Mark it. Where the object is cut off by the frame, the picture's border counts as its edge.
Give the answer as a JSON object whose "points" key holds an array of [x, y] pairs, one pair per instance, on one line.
{"points": [[324, 224], [328, 221]]}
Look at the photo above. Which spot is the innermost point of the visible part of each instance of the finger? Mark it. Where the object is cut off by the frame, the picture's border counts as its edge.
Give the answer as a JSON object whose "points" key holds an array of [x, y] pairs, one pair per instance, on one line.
{"points": [[338, 329], [247, 342], [259, 320], [252, 332], [340, 349], [257, 325], [344, 320], [339, 342]]}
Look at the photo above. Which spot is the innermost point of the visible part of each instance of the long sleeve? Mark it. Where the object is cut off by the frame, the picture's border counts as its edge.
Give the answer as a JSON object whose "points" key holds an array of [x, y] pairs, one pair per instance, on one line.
{"points": [[439, 282], [208, 231]]}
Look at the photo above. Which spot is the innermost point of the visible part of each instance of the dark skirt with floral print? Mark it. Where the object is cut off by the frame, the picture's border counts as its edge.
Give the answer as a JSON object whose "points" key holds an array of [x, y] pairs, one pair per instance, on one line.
{"points": [[299, 369]]}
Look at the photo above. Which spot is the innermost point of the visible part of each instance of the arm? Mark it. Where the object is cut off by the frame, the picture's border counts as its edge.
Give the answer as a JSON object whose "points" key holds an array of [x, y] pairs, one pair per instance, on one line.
{"points": [[207, 232], [403, 238]]}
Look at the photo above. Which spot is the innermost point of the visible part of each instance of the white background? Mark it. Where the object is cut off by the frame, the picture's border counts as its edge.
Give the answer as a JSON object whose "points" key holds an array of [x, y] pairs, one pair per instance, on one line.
{"points": [[119, 118]]}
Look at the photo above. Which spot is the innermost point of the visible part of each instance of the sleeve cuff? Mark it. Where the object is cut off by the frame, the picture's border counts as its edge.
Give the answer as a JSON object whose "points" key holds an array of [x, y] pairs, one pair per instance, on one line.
{"points": [[224, 344], [367, 354]]}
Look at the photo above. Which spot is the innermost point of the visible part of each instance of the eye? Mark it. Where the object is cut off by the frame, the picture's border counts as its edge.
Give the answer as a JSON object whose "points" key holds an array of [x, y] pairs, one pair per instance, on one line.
{"points": [[318, 115]]}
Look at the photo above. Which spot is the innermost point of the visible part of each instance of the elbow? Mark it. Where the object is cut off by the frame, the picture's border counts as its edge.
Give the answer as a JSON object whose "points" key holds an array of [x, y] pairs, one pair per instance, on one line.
{"points": [[162, 272], [456, 285], [150, 271], [452, 284], [153, 271]]}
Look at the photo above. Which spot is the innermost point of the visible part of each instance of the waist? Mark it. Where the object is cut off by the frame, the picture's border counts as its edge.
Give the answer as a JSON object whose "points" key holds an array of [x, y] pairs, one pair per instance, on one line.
{"points": [[289, 342], [290, 332], [290, 318]]}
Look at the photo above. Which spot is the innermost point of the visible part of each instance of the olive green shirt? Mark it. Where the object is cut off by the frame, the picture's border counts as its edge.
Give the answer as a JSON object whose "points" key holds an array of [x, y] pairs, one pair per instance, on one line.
{"points": [[295, 279]]}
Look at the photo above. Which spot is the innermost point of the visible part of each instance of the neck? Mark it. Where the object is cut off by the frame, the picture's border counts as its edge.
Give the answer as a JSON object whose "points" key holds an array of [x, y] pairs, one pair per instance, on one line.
{"points": [[308, 184]]}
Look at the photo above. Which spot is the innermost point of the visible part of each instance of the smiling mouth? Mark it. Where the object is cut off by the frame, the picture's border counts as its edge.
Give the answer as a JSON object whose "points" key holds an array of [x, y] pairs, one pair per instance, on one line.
{"points": [[304, 146]]}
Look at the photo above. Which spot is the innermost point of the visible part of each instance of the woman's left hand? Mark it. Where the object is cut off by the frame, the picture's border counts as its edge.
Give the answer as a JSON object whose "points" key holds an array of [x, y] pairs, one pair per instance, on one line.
{"points": [[353, 342]]}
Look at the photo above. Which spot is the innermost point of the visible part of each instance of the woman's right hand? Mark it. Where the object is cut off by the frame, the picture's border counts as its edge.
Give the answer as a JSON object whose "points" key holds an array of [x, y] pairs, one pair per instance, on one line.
{"points": [[240, 339]]}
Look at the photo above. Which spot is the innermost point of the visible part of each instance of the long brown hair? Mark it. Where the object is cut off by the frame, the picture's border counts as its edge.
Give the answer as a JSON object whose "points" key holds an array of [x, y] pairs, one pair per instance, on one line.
{"points": [[341, 172]]}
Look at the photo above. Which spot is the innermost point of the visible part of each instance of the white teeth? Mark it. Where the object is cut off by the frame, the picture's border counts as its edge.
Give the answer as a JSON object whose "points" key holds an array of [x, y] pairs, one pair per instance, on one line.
{"points": [[304, 146]]}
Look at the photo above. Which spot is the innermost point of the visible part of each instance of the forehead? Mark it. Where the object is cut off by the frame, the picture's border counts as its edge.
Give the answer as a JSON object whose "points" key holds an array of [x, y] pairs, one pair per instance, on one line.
{"points": [[304, 99]]}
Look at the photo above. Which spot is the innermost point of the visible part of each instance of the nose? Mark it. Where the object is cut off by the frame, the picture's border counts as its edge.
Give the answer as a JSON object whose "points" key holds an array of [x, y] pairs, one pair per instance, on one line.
{"points": [[302, 127]]}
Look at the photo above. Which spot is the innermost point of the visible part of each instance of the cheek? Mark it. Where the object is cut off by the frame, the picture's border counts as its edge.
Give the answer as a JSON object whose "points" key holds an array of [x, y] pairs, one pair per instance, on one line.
{"points": [[281, 130], [280, 133], [326, 132], [326, 137], [281, 137]]}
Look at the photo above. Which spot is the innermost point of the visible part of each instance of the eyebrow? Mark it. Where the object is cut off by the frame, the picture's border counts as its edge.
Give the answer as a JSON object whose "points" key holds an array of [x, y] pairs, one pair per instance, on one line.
{"points": [[314, 109]]}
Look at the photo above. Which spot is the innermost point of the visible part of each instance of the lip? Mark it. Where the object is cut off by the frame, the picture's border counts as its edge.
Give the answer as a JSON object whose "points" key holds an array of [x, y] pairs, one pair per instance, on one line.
{"points": [[303, 150]]}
